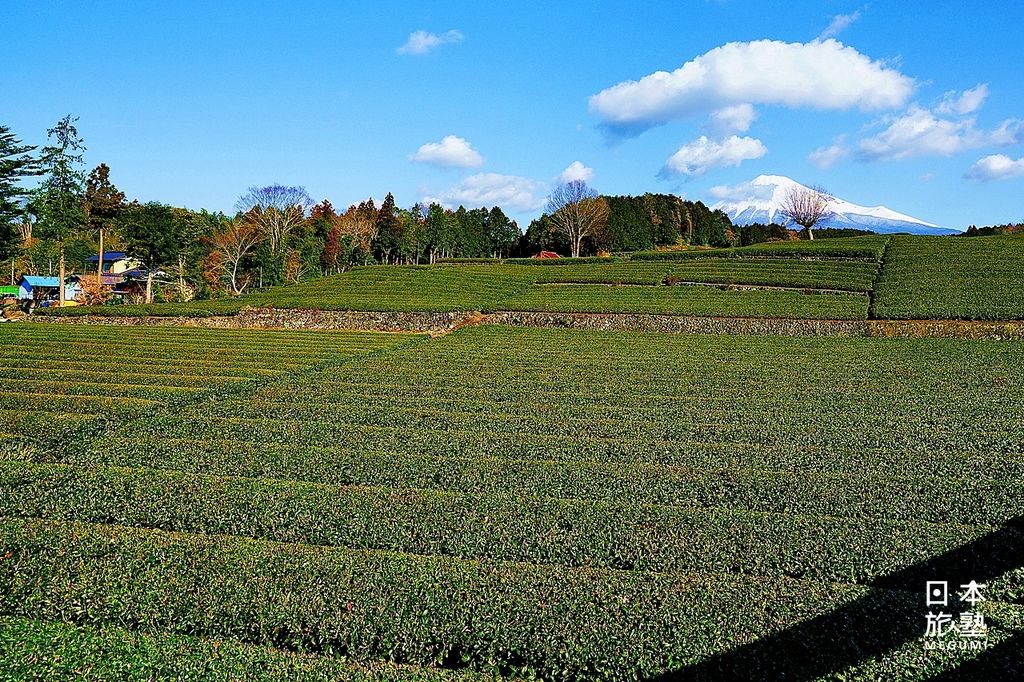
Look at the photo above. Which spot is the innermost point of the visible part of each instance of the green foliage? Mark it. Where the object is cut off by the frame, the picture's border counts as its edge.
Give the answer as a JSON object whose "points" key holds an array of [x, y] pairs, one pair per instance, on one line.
{"points": [[863, 248], [57, 200], [947, 277], [620, 534], [39, 650], [153, 233], [689, 300], [552, 503], [16, 164], [848, 275], [97, 374]]}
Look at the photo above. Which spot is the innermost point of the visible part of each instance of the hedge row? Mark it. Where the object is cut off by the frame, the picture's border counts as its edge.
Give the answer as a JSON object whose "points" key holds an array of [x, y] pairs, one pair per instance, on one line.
{"points": [[624, 534], [875, 491], [583, 260], [559, 623], [863, 248], [945, 277], [702, 301], [841, 275], [46, 650]]}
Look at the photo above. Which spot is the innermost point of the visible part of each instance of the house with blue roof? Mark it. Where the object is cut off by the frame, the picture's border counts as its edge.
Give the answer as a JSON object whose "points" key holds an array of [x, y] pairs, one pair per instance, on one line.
{"points": [[116, 262], [39, 288]]}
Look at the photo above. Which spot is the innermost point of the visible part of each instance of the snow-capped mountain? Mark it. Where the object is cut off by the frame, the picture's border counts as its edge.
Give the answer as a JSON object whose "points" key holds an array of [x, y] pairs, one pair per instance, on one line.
{"points": [[760, 200]]}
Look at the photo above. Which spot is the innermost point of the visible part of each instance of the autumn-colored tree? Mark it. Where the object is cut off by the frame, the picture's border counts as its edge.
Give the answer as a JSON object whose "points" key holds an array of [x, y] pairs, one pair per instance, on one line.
{"points": [[359, 224], [93, 291], [103, 204], [235, 240], [332, 252], [277, 210]]}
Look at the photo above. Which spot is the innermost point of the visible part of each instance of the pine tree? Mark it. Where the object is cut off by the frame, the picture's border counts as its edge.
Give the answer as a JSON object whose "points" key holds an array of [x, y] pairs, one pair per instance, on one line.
{"points": [[16, 163], [58, 200]]}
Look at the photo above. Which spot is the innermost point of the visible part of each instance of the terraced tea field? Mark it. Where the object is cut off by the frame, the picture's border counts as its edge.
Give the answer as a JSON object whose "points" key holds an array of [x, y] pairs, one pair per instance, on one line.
{"points": [[533, 502], [59, 381], [977, 278]]}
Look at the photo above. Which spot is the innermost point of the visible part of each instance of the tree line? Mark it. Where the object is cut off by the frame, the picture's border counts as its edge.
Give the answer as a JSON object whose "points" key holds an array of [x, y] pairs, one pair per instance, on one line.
{"points": [[278, 235]]}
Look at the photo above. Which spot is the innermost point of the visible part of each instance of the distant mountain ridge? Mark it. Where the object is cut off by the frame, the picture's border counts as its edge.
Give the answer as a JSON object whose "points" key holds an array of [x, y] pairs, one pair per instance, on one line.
{"points": [[760, 201]]}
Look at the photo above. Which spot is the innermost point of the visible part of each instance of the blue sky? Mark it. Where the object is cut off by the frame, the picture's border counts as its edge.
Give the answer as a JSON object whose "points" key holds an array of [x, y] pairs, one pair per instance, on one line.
{"points": [[190, 103]]}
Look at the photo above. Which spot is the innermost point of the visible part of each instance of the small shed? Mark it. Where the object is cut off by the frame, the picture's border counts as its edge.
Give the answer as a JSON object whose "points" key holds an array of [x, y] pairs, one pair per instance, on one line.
{"points": [[546, 255], [38, 288]]}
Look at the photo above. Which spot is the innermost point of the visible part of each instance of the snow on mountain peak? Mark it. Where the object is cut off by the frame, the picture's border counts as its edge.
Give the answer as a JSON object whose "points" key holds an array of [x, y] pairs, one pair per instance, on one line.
{"points": [[761, 200]]}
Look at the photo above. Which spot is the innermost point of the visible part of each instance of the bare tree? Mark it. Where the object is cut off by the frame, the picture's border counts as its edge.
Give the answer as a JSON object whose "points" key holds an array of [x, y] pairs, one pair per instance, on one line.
{"points": [[806, 206], [276, 210], [577, 212], [236, 239]]}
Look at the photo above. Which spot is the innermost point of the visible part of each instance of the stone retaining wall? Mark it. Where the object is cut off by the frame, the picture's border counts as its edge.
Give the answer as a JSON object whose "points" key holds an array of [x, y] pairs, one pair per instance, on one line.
{"points": [[286, 318], [439, 323], [676, 324]]}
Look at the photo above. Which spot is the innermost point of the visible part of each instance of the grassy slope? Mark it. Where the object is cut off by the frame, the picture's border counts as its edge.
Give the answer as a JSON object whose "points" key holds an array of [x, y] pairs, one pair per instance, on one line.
{"points": [[626, 476]]}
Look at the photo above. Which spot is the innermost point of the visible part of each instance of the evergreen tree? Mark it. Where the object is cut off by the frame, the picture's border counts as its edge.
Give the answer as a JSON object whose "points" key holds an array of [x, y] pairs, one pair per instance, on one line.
{"points": [[103, 204], [16, 163], [154, 235], [502, 233], [389, 230], [58, 200]]}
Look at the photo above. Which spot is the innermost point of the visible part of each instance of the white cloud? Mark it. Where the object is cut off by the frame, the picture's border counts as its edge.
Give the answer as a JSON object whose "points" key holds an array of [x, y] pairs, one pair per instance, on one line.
{"points": [[826, 157], [744, 191], [820, 74], [963, 103], [701, 155], [1010, 131], [452, 151], [839, 23], [576, 171], [995, 167], [734, 119], [422, 42], [919, 132], [493, 189]]}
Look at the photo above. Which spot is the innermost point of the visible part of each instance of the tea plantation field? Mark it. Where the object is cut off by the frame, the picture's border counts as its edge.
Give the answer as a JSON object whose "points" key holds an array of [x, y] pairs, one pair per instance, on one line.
{"points": [[511, 502], [900, 277], [979, 278]]}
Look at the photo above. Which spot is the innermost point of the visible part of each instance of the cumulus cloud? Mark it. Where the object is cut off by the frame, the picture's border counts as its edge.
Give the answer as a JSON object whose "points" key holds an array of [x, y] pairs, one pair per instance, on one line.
{"points": [[576, 171], [827, 156], [839, 23], [963, 103], [820, 74], [919, 132], [703, 154], [493, 189], [452, 152], [734, 119], [422, 42], [995, 167]]}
